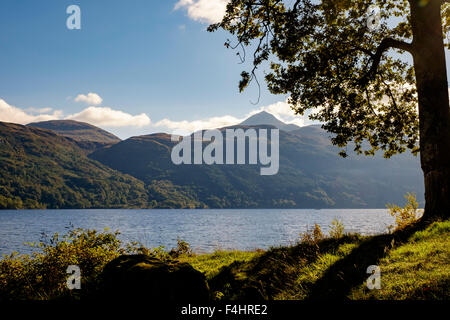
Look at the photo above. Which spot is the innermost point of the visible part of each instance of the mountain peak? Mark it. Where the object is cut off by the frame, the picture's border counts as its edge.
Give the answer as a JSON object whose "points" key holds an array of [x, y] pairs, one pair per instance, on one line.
{"points": [[266, 118], [265, 113]]}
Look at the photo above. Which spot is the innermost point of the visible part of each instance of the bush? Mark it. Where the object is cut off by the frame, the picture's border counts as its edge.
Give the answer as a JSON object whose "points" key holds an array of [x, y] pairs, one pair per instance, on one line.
{"points": [[42, 275], [407, 215], [183, 249], [160, 253], [336, 229], [312, 235]]}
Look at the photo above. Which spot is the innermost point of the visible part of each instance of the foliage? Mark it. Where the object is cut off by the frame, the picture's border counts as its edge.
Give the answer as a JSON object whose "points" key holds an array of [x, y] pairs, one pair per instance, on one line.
{"points": [[43, 274], [312, 235], [336, 228], [328, 59], [183, 248], [135, 247], [407, 215]]}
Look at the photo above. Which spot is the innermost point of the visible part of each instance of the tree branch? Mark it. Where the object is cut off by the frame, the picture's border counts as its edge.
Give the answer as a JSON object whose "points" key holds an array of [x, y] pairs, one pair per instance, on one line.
{"points": [[384, 46]]}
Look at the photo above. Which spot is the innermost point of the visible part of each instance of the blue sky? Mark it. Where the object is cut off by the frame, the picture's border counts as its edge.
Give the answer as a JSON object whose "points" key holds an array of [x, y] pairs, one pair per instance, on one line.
{"points": [[139, 56], [150, 63]]}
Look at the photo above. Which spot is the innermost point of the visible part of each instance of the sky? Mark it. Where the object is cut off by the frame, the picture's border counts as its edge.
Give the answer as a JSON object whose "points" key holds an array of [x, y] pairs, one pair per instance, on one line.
{"points": [[135, 67]]}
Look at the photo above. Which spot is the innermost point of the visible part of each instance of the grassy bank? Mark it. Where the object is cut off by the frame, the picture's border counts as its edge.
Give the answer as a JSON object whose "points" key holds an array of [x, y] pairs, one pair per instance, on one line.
{"points": [[414, 264]]}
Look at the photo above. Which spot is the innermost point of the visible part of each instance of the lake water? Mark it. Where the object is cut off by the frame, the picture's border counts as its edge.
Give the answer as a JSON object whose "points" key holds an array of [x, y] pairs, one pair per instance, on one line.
{"points": [[206, 230]]}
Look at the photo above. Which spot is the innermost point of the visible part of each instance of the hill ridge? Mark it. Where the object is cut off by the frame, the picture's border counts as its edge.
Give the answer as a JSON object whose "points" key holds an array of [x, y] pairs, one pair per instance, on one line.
{"points": [[77, 130]]}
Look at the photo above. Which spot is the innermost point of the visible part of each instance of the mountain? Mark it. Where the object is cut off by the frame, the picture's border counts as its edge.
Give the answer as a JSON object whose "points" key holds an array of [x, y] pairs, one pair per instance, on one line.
{"points": [[265, 118], [86, 136], [311, 174], [40, 169], [79, 131]]}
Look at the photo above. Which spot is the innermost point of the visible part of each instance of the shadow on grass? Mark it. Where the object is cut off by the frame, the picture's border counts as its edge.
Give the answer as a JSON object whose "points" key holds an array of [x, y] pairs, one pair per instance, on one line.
{"points": [[276, 271], [350, 271], [273, 272]]}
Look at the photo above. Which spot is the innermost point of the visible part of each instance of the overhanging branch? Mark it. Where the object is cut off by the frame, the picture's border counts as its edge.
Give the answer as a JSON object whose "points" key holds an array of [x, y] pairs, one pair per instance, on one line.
{"points": [[385, 45]]}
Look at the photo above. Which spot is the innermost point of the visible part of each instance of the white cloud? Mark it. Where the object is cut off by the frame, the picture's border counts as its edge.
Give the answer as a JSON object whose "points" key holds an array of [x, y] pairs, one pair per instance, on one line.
{"points": [[280, 110], [97, 116], [191, 126], [209, 11], [13, 114], [105, 116], [90, 98], [39, 110]]}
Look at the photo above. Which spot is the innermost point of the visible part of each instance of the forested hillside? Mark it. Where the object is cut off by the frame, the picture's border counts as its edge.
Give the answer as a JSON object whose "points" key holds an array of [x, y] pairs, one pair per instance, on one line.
{"points": [[40, 169]]}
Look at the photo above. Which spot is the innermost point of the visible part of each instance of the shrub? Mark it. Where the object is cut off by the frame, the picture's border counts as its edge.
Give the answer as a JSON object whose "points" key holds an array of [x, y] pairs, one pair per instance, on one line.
{"points": [[160, 253], [406, 215], [183, 248], [42, 275], [312, 235], [336, 228]]}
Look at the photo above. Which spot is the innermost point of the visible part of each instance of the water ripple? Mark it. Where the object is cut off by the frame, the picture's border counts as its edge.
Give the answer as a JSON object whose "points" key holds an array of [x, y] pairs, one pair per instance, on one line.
{"points": [[206, 229]]}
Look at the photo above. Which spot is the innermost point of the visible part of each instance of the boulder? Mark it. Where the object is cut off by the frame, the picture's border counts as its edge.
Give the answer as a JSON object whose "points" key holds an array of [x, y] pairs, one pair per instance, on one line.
{"points": [[140, 277]]}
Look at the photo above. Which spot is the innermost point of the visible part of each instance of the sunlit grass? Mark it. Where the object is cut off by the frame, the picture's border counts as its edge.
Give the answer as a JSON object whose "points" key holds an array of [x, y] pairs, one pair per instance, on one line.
{"points": [[210, 264], [418, 269], [314, 271]]}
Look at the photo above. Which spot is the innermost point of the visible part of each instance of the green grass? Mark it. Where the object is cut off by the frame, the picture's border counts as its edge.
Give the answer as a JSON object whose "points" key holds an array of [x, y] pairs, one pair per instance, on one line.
{"points": [[415, 264], [314, 271], [210, 264], [418, 269]]}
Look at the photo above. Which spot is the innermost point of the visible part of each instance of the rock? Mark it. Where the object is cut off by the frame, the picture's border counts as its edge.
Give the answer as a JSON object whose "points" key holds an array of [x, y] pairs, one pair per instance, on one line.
{"points": [[140, 277]]}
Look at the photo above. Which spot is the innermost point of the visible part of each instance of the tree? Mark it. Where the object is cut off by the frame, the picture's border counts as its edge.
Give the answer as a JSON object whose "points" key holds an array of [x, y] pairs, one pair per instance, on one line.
{"points": [[347, 62]]}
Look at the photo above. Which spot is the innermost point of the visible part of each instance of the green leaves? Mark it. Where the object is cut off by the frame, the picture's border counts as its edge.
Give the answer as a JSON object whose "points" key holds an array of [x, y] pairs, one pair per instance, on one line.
{"points": [[326, 58], [245, 79], [43, 276]]}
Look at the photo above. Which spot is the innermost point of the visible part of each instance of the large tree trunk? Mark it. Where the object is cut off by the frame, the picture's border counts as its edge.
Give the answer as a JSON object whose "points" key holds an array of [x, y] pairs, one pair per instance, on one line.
{"points": [[434, 111]]}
